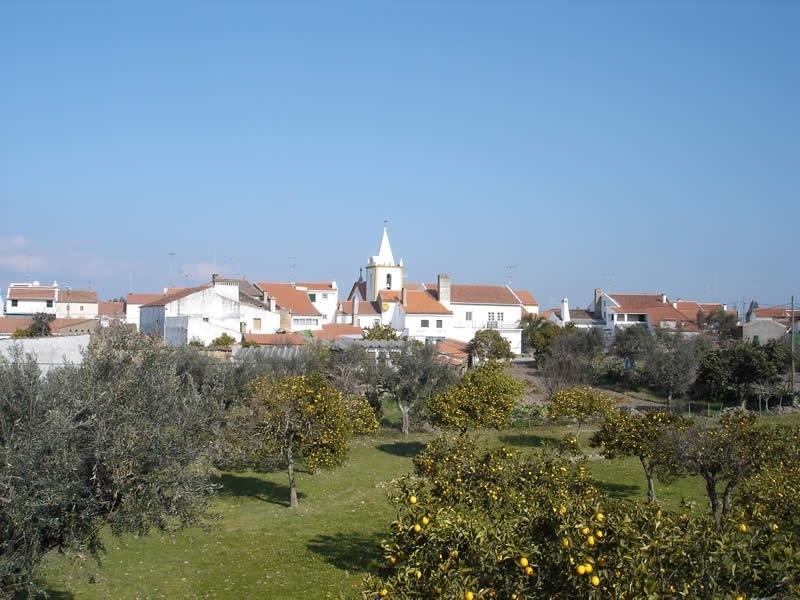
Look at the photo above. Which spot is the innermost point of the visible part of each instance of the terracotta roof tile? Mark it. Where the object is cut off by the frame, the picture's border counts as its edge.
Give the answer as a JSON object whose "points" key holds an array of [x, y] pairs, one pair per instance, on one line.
{"points": [[176, 295], [637, 300], [463, 293], [111, 309], [364, 308], [776, 312], [142, 298], [333, 331], [288, 297], [316, 285], [87, 296], [8, 325], [526, 298], [423, 303], [276, 339], [31, 293]]}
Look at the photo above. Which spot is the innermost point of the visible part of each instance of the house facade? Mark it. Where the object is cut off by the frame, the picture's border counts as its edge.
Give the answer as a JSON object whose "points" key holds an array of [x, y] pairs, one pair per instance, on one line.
{"points": [[134, 301], [76, 304], [27, 299], [324, 296], [203, 313], [297, 312]]}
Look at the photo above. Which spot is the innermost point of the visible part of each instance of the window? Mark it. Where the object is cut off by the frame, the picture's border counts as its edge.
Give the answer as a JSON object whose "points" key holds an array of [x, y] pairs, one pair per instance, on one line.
{"points": [[81, 308], [424, 323], [376, 321], [469, 316], [205, 319], [242, 327], [500, 316], [438, 323], [491, 316], [257, 324], [388, 281], [14, 302], [306, 321], [49, 304], [312, 297], [324, 296]]}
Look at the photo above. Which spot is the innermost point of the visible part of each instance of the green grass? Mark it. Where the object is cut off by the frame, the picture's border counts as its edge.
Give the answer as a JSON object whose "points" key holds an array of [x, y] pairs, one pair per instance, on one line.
{"points": [[258, 548]]}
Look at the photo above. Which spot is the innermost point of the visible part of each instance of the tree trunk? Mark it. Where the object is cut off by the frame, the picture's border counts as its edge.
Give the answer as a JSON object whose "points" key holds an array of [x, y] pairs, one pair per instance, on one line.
{"points": [[711, 490], [669, 401], [727, 495], [290, 469], [404, 410], [651, 485], [742, 398]]}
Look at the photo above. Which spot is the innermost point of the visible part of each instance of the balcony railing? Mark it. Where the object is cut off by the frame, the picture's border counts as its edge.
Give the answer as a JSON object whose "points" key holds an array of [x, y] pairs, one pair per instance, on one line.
{"points": [[486, 324]]}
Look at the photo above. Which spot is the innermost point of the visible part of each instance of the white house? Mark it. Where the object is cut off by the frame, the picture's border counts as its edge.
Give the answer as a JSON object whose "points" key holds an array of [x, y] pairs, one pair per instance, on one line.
{"points": [[360, 313], [76, 304], [324, 296], [134, 301], [231, 306], [419, 316], [576, 317], [29, 298]]}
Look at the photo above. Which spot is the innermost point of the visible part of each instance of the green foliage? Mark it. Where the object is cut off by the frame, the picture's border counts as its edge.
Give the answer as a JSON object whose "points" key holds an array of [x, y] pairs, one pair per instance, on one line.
{"points": [[297, 418], [720, 323], [360, 415], [537, 333], [499, 524], [196, 343], [639, 435], [223, 341], [573, 358], [488, 344], [485, 397], [734, 368], [633, 342], [579, 404], [122, 441], [39, 327], [379, 332], [671, 365]]}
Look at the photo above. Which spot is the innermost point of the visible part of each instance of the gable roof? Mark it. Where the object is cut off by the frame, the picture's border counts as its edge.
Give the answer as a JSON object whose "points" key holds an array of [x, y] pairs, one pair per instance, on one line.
{"points": [[87, 296], [142, 298], [111, 309], [31, 293], [359, 286], [364, 307], [176, 295], [289, 298], [636, 300], [423, 303], [666, 312], [526, 298], [333, 331], [317, 285], [469, 293], [775, 312], [245, 287], [276, 339]]}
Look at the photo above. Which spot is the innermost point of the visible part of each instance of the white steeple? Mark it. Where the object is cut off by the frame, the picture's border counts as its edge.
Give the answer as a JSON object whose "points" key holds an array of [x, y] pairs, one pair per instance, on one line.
{"points": [[384, 256]]}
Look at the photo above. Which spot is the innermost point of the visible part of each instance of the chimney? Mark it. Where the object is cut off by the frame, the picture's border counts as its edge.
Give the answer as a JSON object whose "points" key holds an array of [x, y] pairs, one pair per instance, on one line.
{"points": [[663, 298], [598, 300], [354, 318], [214, 277], [404, 296], [443, 282], [273, 303], [565, 310]]}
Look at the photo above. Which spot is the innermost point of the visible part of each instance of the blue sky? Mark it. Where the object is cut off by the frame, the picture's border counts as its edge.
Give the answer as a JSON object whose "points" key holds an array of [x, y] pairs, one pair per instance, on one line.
{"points": [[633, 146]]}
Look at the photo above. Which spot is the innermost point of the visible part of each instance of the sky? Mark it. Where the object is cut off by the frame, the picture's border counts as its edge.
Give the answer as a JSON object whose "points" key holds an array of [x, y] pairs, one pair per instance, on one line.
{"points": [[633, 146]]}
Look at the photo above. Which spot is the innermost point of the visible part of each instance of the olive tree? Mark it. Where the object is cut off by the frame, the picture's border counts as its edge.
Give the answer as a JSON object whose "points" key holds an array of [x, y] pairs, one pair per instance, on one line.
{"points": [[121, 441], [488, 344]]}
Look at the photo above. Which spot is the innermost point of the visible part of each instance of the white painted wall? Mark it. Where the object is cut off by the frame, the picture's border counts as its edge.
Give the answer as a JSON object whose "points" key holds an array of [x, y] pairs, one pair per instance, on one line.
{"points": [[76, 310], [132, 314], [29, 307], [325, 301], [50, 352]]}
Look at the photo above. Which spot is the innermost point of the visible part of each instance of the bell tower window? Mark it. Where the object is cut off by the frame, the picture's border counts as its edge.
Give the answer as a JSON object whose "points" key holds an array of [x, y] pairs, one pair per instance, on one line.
{"points": [[388, 281]]}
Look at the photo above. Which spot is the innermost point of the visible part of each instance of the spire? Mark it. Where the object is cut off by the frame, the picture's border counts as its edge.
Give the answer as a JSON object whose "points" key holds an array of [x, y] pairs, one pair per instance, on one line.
{"points": [[384, 256]]}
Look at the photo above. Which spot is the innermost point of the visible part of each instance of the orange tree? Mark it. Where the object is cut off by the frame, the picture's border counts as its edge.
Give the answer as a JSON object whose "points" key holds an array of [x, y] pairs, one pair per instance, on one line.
{"points": [[300, 418], [580, 403], [641, 436], [485, 397], [477, 524]]}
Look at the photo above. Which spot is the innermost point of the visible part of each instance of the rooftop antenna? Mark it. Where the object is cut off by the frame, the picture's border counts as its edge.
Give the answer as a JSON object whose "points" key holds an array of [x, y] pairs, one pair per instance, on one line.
{"points": [[171, 268], [510, 273], [292, 266]]}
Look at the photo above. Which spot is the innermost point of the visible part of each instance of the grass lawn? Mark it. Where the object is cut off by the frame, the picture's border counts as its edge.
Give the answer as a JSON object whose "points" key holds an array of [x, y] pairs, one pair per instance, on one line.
{"points": [[258, 548]]}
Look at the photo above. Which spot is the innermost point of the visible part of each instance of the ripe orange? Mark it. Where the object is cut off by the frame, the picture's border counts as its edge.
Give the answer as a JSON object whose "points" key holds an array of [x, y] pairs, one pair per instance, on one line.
{"points": [[595, 580], [565, 542], [600, 517], [412, 499], [417, 528], [590, 540], [523, 562], [425, 520], [384, 592], [469, 596], [589, 568], [580, 569], [585, 530], [742, 527]]}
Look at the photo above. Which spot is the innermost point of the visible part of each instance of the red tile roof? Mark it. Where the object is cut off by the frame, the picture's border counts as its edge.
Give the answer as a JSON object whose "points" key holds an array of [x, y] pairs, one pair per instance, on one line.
{"points": [[142, 298], [316, 285], [526, 298], [111, 309], [176, 295], [665, 312], [8, 325], [289, 298], [361, 287], [75, 296], [364, 307], [636, 300], [333, 331], [463, 293], [423, 303], [276, 339], [31, 293], [776, 312]]}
